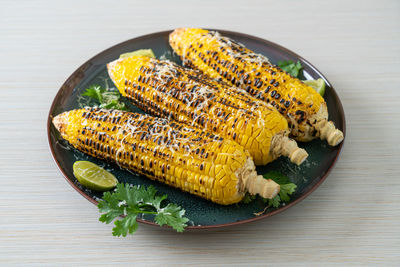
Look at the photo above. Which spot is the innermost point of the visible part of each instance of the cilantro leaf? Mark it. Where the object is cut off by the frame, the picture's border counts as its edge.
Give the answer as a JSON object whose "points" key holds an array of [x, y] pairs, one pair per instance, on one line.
{"points": [[105, 98], [130, 201], [287, 188], [248, 198], [290, 67], [94, 92], [110, 207], [126, 225], [275, 202], [172, 215]]}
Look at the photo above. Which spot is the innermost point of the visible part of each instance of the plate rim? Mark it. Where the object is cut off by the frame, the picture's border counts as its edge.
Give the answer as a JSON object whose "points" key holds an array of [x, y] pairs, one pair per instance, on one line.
{"points": [[214, 226]]}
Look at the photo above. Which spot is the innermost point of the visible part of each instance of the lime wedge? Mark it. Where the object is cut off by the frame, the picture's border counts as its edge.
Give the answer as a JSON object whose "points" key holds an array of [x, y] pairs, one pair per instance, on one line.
{"points": [[318, 85], [93, 176], [140, 52]]}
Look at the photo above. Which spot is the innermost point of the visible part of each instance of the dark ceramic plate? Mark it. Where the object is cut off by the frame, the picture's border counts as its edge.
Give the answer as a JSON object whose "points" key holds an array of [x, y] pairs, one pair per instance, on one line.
{"points": [[202, 213]]}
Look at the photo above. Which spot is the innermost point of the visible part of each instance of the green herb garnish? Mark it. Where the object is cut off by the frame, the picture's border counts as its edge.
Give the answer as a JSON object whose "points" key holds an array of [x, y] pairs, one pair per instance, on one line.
{"points": [[248, 198], [131, 201], [290, 67], [287, 188], [108, 99]]}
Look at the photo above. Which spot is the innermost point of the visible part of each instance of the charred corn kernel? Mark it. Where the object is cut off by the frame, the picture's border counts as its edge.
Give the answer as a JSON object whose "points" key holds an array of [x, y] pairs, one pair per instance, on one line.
{"points": [[202, 190], [166, 90], [196, 188], [222, 58], [161, 150]]}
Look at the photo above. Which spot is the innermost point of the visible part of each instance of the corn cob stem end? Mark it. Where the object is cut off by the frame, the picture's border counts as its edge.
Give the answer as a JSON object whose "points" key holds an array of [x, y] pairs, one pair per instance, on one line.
{"points": [[282, 145], [256, 184], [328, 131], [60, 122]]}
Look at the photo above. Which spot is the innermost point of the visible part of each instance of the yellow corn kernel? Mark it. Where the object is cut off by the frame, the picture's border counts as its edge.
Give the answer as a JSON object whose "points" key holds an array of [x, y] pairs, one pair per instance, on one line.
{"points": [[222, 58], [193, 99]]}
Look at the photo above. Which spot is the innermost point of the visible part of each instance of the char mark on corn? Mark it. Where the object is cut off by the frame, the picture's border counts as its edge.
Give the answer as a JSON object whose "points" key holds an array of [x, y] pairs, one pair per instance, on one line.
{"points": [[164, 89], [203, 164], [224, 59]]}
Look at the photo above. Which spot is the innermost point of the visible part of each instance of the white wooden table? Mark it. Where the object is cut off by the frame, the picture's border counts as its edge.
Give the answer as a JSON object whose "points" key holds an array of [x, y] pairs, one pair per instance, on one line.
{"points": [[352, 219]]}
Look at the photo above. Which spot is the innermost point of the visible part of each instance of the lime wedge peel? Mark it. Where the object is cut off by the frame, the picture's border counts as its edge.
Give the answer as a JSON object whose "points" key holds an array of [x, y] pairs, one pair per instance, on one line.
{"points": [[140, 52], [318, 85], [93, 176]]}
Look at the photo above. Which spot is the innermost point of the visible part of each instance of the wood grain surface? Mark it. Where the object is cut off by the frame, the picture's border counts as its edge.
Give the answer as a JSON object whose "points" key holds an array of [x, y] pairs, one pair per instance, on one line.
{"points": [[353, 219]]}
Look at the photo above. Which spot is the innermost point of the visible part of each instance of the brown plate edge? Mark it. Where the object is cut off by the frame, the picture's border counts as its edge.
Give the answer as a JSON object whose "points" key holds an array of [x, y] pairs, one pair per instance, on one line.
{"points": [[281, 209]]}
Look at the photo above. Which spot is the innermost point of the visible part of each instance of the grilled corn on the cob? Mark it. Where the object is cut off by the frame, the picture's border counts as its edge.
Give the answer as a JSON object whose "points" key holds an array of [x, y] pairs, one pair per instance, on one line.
{"points": [[167, 90], [173, 153], [222, 58]]}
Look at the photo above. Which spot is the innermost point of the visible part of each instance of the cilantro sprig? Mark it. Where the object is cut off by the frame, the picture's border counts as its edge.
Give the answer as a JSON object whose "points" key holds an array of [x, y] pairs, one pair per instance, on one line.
{"points": [[130, 201], [290, 67], [287, 189], [108, 99]]}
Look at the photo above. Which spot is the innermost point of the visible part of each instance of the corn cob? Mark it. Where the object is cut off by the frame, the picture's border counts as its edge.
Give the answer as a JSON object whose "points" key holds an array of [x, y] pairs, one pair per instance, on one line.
{"points": [[222, 58], [166, 90], [201, 163]]}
